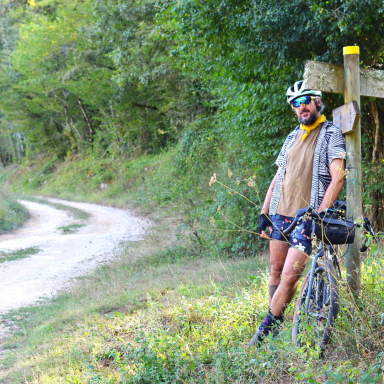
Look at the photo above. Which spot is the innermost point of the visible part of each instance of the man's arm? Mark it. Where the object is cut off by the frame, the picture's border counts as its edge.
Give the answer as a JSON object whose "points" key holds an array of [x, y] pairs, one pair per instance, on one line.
{"points": [[267, 201], [337, 171]]}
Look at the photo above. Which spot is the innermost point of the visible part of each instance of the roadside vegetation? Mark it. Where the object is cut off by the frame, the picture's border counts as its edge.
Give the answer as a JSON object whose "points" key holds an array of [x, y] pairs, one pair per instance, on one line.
{"points": [[12, 213], [139, 104], [161, 312]]}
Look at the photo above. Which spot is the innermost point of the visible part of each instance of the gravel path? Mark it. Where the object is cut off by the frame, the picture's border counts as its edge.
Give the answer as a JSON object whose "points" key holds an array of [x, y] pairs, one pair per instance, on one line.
{"points": [[61, 257], [23, 282]]}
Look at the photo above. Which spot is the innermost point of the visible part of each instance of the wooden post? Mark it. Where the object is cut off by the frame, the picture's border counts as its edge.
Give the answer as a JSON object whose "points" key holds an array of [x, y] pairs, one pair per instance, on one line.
{"points": [[354, 180], [353, 82]]}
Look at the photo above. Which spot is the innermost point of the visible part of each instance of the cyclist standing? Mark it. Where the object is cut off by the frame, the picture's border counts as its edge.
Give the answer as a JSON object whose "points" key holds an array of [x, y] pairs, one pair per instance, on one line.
{"points": [[311, 172]]}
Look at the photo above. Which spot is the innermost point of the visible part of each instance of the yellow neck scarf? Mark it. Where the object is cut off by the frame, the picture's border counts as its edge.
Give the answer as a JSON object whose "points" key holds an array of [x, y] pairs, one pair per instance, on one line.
{"points": [[310, 128]]}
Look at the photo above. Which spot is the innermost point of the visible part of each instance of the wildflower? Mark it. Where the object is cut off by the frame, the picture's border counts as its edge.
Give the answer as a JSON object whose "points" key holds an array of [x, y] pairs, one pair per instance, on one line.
{"points": [[229, 173], [230, 192], [237, 181], [251, 182], [212, 221], [219, 207], [213, 180]]}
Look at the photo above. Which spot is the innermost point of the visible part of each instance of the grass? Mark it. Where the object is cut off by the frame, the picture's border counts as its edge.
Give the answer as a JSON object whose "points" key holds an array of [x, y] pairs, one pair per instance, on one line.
{"points": [[163, 313], [17, 254], [70, 228], [159, 272], [12, 213]]}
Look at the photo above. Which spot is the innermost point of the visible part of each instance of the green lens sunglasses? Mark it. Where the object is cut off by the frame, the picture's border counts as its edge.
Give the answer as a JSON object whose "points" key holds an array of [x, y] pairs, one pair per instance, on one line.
{"points": [[305, 100]]}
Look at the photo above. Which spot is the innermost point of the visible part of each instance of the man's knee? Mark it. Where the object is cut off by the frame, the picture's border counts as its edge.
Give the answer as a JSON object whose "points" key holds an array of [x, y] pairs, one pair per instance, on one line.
{"points": [[290, 281], [276, 269], [277, 257]]}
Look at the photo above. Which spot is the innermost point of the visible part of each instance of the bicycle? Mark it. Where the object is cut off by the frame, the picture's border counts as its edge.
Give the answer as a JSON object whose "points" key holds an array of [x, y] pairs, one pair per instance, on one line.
{"points": [[317, 305]]}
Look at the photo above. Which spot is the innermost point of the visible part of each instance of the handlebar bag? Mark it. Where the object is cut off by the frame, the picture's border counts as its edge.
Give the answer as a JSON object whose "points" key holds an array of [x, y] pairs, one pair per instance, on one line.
{"points": [[334, 231]]}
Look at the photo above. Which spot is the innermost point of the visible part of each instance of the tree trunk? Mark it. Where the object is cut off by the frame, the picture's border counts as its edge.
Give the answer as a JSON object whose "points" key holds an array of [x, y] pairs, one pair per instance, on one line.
{"points": [[67, 124], [91, 131], [375, 120], [376, 213]]}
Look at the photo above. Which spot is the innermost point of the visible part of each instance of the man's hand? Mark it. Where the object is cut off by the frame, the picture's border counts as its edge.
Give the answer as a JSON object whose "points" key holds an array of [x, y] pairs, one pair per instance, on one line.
{"points": [[264, 222]]}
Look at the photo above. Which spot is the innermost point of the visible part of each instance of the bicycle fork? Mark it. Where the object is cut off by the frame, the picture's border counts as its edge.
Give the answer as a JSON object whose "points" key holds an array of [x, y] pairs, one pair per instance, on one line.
{"points": [[313, 269]]}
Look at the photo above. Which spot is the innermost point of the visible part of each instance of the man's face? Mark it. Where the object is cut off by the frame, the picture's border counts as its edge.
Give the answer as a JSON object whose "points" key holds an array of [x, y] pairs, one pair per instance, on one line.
{"points": [[308, 114]]}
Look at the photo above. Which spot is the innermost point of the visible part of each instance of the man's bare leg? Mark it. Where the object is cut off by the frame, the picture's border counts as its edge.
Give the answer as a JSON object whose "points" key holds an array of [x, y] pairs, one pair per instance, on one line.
{"points": [[293, 267], [278, 254]]}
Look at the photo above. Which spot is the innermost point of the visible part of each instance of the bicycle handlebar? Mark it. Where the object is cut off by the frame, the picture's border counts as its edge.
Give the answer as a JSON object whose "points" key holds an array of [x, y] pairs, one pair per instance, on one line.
{"points": [[291, 227], [301, 212], [299, 215]]}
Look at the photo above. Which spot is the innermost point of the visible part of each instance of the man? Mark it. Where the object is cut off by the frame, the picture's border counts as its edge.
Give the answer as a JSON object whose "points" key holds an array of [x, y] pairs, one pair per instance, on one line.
{"points": [[311, 172]]}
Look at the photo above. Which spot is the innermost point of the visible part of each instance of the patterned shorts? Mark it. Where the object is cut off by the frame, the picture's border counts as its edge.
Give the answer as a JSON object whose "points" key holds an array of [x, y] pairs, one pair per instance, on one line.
{"points": [[296, 239]]}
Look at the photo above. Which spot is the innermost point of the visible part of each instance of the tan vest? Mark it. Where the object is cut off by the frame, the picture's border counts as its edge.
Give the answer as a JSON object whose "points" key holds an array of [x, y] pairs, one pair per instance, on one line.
{"points": [[297, 182]]}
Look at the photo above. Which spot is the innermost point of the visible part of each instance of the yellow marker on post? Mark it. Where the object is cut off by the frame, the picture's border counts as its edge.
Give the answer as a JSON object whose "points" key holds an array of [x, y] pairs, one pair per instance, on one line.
{"points": [[353, 50]]}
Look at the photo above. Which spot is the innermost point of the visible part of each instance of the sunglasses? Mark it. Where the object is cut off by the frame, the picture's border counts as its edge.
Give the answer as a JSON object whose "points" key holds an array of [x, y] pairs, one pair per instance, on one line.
{"points": [[304, 100]]}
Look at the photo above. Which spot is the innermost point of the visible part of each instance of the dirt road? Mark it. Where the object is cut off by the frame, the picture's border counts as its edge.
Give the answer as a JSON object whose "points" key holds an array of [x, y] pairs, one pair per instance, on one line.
{"points": [[61, 256]]}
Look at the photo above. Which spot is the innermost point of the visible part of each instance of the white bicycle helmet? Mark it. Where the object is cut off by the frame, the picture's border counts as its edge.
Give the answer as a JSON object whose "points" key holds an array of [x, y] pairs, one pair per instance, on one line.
{"points": [[298, 89]]}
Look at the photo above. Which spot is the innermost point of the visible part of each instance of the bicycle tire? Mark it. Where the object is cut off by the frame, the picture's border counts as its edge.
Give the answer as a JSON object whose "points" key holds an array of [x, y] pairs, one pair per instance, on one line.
{"points": [[323, 307]]}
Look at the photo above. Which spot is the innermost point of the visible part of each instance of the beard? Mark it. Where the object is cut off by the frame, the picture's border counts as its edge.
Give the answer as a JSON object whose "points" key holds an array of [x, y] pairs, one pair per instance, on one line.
{"points": [[309, 120]]}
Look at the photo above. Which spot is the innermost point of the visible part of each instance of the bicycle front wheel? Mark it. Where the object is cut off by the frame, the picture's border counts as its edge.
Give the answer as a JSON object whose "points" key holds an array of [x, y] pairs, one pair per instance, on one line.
{"points": [[316, 309]]}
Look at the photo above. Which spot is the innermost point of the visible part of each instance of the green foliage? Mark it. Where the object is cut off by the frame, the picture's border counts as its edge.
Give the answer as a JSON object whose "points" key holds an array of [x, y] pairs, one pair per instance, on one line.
{"points": [[75, 82], [247, 54], [12, 213]]}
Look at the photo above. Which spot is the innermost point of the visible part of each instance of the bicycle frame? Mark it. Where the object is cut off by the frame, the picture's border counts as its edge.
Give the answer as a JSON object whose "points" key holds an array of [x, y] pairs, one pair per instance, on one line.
{"points": [[313, 269]]}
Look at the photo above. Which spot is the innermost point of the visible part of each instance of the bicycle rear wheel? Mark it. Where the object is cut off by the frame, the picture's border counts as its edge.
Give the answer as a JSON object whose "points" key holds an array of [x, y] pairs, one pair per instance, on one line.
{"points": [[314, 326]]}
